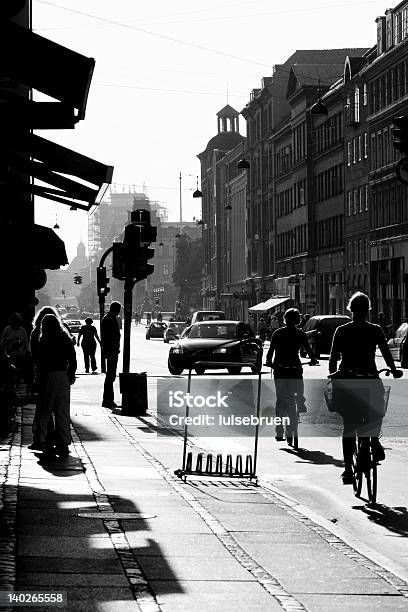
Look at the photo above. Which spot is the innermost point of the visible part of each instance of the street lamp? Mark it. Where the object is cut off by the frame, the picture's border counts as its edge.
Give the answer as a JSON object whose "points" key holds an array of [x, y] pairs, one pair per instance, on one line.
{"points": [[243, 164]]}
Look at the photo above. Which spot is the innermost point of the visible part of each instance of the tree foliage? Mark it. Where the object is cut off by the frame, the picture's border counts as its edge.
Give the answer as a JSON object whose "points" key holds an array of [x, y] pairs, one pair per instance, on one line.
{"points": [[188, 270]]}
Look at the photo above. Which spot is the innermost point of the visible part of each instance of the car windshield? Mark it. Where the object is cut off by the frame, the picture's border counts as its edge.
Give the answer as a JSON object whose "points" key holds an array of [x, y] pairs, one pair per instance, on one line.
{"points": [[159, 325], [223, 330], [177, 326]]}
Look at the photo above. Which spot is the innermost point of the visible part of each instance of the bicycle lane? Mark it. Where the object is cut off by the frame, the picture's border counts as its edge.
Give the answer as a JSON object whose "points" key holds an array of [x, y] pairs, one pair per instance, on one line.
{"points": [[300, 565]]}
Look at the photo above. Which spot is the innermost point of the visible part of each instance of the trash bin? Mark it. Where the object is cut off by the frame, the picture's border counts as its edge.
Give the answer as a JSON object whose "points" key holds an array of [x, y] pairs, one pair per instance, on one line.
{"points": [[133, 388]]}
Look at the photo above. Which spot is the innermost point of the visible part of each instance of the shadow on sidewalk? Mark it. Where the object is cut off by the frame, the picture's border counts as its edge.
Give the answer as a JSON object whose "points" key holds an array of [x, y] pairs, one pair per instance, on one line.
{"points": [[60, 549], [314, 456], [394, 519]]}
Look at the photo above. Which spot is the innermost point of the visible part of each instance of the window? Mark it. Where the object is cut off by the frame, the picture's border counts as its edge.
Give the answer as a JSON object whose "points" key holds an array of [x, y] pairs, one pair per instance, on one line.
{"points": [[359, 148], [366, 197], [166, 270], [365, 97], [360, 199], [354, 151], [365, 146], [348, 153], [354, 201], [349, 202], [357, 104]]}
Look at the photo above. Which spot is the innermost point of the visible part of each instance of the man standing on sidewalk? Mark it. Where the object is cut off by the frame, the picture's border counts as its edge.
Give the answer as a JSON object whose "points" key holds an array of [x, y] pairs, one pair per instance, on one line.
{"points": [[110, 337]]}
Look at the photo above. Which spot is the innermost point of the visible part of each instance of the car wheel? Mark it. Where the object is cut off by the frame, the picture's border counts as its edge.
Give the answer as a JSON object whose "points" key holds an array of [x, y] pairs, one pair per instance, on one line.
{"points": [[175, 370], [200, 371], [147, 337], [165, 340], [234, 370]]}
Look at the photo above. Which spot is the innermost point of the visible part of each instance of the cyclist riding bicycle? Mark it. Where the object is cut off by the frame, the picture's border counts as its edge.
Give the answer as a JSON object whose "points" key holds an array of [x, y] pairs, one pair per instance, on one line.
{"points": [[286, 343], [360, 405]]}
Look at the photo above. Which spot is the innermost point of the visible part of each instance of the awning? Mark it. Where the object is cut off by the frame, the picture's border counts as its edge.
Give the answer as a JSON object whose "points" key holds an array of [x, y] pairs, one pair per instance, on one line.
{"points": [[271, 303], [66, 176]]}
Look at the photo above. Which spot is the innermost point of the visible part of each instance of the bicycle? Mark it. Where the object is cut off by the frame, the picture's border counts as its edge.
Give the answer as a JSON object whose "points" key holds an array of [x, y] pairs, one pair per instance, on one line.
{"points": [[291, 402], [364, 462]]}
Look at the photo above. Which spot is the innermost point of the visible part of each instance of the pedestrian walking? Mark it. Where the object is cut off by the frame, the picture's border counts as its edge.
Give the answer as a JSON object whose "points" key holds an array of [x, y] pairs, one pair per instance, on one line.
{"points": [[89, 335], [56, 370], [110, 338]]}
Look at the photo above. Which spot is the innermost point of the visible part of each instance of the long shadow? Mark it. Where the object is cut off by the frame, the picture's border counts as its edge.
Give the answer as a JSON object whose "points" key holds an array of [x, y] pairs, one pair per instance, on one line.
{"points": [[395, 519], [314, 456], [60, 549]]}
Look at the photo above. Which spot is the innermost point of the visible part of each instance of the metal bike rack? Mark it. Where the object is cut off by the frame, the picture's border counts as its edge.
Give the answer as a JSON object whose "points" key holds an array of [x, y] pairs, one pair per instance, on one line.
{"points": [[214, 466]]}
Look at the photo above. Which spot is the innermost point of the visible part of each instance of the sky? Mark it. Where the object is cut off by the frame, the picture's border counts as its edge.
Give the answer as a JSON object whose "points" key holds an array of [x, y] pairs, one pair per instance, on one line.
{"points": [[163, 71]]}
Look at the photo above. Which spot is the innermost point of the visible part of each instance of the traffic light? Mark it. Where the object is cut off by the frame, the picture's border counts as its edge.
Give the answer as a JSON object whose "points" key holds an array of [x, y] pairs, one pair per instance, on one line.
{"points": [[400, 134], [78, 279], [102, 281], [139, 234], [118, 261]]}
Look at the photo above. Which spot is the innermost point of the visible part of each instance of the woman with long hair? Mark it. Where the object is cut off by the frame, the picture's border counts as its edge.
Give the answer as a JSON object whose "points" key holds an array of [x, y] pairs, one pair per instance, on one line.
{"points": [[56, 373]]}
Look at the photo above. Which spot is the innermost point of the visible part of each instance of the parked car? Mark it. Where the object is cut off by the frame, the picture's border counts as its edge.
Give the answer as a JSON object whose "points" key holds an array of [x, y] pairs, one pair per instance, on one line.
{"points": [[207, 315], [173, 330], [216, 341], [320, 331], [73, 325], [396, 342], [156, 330]]}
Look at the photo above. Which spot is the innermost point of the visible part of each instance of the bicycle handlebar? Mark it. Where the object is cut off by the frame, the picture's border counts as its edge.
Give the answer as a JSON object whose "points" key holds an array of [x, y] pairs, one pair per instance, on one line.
{"points": [[395, 373]]}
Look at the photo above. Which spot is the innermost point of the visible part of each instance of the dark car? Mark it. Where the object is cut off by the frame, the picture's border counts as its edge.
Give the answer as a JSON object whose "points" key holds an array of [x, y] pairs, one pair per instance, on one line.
{"points": [[73, 325], [320, 331], [174, 330], [156, 330], [395, 343], [216, 341]]}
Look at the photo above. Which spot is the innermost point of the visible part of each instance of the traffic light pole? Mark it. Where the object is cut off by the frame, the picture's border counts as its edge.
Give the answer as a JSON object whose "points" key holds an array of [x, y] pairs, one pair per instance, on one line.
{"points": [[127, 322], [101, 298]]}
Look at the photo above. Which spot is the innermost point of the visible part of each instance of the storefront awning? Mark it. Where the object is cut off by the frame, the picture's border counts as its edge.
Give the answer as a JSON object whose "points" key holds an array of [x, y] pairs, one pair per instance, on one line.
{"points": [[66, 176], [271, 303]]}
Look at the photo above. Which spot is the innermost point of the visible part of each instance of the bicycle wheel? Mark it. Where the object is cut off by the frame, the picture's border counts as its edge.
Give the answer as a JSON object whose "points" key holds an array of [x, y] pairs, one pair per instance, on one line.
{"points": [[357, 473], [371, 477]]}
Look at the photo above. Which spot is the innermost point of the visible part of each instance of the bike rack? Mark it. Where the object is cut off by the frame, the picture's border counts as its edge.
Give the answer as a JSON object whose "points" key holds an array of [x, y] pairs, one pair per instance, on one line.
{"points": [[221, 468]]}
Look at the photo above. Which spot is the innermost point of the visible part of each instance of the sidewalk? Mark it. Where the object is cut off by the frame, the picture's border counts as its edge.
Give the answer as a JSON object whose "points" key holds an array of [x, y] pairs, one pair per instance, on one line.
{"points": [[113, 528]]}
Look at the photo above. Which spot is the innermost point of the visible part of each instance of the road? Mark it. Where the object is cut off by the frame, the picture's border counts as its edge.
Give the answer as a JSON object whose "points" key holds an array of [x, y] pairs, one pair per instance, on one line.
{"points": [[311, 477]]}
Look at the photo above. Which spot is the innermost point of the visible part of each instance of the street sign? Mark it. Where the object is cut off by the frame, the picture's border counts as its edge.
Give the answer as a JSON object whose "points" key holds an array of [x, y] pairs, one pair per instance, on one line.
{"points": [[402, 170]]}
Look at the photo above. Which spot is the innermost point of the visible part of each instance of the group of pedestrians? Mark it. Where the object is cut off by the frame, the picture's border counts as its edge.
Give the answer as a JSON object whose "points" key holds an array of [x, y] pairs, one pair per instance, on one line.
{"points": [[46, 361], [354, 346]]}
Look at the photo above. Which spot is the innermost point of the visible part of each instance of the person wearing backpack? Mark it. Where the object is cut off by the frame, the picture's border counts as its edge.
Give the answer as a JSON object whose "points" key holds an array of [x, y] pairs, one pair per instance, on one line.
{"points": [[89, 335]]}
